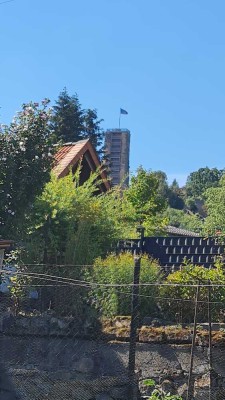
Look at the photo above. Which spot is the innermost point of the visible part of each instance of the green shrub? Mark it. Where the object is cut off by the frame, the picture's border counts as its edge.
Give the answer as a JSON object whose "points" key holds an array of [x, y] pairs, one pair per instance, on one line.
{"points": [[178, 299], [158, 393], [118, 270]]}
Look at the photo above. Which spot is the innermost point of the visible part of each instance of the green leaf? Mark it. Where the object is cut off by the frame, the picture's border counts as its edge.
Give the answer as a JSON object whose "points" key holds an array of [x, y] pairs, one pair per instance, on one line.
{"points": [[149, 382]]}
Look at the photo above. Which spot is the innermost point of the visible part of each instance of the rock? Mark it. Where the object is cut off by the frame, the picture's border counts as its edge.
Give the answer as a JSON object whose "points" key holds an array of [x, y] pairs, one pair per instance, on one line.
{"points": [[168, 386], [81, 393], [62, 375], [84, 365], [38, 326], [54, 326], [62, 324], [157, 322], [119, 393], [103, 396], [8, 321], [49, 313], [182, 391], [147, 321]]}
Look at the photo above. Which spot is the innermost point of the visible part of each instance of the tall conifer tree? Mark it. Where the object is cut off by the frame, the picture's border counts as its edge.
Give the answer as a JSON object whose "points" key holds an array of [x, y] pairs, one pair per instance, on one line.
{"points": [[68, 118], [71, 122]]}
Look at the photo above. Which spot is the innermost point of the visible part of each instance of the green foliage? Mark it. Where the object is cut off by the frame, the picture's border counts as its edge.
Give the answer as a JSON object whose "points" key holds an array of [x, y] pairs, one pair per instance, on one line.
{"points": [[158, 393], [68, 118], [118, 270], [163, 187], [190, 204], [199, 181], [69, 223], [180, 293], [92, 129], [215, 205], [149, 382], [175, 196], [75, 224], [71, 123], [18, 281], [143, 194], [144, 197], [25, 163], [184, 220]]}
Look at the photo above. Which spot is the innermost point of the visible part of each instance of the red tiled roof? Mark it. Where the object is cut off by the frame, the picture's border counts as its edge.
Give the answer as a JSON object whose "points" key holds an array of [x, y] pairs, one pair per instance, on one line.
{"points": [[62, 152], [69, 155]]}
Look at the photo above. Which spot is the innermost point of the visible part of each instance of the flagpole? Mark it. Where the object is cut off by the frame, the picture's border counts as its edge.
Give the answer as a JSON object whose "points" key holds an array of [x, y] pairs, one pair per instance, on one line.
{"points": [[119, 120]]}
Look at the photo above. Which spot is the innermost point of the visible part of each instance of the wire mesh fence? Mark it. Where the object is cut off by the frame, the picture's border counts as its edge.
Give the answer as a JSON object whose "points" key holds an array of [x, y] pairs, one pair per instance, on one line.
{"points": [[64, 335]]}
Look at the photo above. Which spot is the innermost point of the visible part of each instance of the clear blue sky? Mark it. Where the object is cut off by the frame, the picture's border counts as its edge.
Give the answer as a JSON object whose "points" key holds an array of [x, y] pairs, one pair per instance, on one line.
{"points": [[161, 60]]}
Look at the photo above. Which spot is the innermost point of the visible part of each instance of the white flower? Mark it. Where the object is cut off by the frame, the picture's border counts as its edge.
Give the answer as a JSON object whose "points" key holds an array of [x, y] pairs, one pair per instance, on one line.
{"points": [[22, 147], [36, 157]]}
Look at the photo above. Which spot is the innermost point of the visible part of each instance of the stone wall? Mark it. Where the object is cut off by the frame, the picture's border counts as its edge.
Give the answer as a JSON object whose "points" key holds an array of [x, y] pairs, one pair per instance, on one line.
{"points": [[48, 357]]}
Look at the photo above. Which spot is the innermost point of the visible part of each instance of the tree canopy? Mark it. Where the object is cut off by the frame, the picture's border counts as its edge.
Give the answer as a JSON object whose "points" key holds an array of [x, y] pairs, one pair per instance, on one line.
{"points": [[215, 205], [25, 163], [144, 195], [71, 123], [199, 181]]}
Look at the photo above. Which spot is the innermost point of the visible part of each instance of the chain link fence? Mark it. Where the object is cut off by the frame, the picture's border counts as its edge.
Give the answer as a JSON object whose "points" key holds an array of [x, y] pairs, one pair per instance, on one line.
{"points": [[64, 336]]}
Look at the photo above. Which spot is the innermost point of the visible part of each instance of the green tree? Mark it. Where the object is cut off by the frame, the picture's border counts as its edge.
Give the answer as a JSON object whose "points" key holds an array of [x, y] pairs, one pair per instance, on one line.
{"points": [[25, 163], [148, 204], [70, 122], [93, 130], [68, 223], [68, 118], [72, 223], [184, 220], [199, 181], [163, 187], [215, 205], [175, 196]]}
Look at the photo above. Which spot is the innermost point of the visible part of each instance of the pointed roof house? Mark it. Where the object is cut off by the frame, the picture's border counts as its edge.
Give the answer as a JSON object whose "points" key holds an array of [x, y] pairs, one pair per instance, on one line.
{"points": [[69, 156]]}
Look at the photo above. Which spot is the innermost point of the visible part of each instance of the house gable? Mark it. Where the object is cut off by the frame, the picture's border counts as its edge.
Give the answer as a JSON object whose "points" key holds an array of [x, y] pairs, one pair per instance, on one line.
{"points": [[69, 156]]}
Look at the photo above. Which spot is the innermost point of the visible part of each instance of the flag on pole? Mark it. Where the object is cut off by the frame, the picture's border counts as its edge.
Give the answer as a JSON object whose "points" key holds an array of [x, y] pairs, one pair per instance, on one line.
{"points": [[123, 111]]}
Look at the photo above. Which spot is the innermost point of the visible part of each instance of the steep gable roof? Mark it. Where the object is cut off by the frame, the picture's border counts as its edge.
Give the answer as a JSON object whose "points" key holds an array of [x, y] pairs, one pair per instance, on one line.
{"points": [[69, 155]]}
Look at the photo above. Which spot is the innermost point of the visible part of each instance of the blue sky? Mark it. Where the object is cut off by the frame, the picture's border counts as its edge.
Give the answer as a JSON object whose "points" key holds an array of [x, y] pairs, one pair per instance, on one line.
{"points": [[163, 61]]}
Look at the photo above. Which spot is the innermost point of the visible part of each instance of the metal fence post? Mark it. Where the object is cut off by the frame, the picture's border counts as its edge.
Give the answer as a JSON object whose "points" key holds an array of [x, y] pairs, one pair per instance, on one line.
{"points": [[210, 340], [134, 325], [190, 390]]}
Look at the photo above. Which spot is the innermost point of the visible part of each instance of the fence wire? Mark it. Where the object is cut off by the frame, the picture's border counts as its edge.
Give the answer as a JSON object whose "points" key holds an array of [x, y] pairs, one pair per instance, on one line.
{"points": [[65, 336]]}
